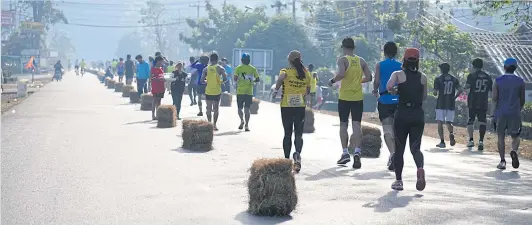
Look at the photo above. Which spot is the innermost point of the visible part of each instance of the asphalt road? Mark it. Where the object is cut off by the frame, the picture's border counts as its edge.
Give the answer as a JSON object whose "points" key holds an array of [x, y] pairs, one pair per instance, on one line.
{"points": [[77, 153]]}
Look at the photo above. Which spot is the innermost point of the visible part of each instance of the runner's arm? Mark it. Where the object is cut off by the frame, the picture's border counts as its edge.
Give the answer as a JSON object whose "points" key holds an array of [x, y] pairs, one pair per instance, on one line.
{"points": [[203, 76], [424, 83], [256, 74], [494, 98], [391, 82], [367, 73], [436, 86], [222, 72], [280, 80], [340, 63], [458, 87], [377, 81], [522, 96]]}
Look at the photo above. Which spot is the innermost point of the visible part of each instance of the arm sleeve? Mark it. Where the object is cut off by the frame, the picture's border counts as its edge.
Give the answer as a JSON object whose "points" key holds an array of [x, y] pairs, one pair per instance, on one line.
{"points": [[256, 73]]}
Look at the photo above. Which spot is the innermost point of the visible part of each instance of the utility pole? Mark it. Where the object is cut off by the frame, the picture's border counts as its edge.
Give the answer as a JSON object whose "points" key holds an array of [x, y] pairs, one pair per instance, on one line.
{"points": [[197, 6]]}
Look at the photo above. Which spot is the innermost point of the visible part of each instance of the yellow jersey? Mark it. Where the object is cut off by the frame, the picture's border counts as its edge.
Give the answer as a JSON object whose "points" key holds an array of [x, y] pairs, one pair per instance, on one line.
{"points": [[313, 83], [294, 89], [351, 87], [214, 83]]}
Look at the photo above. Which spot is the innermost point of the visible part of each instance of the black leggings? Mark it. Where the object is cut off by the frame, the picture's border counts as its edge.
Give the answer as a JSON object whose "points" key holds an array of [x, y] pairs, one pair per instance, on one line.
{"points": [[177, 96], [408, 123], [293, 120]]}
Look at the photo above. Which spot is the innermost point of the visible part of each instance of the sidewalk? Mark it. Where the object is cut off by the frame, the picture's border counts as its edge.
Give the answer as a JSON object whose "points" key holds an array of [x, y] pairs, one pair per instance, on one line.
{"points": [[78, 153]]}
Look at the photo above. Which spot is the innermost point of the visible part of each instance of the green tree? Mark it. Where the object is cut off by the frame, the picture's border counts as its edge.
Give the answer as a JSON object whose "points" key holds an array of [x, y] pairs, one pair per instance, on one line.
{"points": [[152, 18], [514, 12], [129, 44], [62, 43], [45, 12], [267, 35], [222, 28]]}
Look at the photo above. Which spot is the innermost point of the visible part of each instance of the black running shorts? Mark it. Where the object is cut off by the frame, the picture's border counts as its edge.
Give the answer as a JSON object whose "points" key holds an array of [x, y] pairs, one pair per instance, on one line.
{"points": [[212, 97], [201, 89], [242, 100], [480, 114], [386, 110], [354, 108]]}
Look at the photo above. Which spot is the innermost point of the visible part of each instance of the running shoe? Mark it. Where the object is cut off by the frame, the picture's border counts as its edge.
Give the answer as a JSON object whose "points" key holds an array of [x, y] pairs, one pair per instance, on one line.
{"points": [[453, 142], [502, 165], [391, 166], [420, 184], [247, 128], [215, 128], [178, 118], [297, 162], [470, 144], [515, 159], [344, 159], [200, 114], [397, 185], [356, 161], [441, 145], [191, 104], [241, 125], [481, 146]]}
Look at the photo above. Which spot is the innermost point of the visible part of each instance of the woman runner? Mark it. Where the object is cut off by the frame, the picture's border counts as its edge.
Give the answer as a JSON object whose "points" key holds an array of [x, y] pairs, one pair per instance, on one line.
{"points": [[296, 86], [409, 119]]}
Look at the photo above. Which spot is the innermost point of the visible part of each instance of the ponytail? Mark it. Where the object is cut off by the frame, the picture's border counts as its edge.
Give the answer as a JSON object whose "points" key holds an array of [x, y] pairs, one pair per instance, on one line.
{"points": [[301, 70]]}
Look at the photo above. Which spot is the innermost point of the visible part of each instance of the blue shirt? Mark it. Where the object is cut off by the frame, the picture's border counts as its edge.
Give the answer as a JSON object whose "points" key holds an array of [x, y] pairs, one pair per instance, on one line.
{"points": [[228, 70], [199, 67], [143, 70], [386, 68], [509, 91]]}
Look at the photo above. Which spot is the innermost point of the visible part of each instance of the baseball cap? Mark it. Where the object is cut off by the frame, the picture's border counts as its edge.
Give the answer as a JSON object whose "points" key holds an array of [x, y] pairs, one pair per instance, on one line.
{"points": [[411, 54], [246, 56], [510, 62]]}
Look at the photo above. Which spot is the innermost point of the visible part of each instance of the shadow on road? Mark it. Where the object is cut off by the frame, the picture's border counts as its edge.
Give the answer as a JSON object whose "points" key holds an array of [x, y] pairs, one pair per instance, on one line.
{"points": [[438, 150], [501, 175], [140, 122], [227, 133], [329, 173], [182, 150], [246, 218], [470, 151], [385, 174], [390, 201]]}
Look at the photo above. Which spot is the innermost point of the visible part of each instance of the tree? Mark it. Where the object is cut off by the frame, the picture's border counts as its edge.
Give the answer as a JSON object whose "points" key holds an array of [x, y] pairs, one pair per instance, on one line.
{"points": [[129, 44], [266, 35], [61, 43], [152, 18], [514, 12], [45, 12], [222, 28]]}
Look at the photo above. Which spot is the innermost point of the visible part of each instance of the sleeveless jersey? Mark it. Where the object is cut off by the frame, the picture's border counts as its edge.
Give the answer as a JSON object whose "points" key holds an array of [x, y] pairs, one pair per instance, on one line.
{"points": [[313, 83], [214, 83], [351, 89], [387, 67], [294, 89]]}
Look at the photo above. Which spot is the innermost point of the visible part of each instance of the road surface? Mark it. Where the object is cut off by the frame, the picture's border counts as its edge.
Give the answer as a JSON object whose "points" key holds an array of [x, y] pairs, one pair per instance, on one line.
{"points": [[78, 153]]}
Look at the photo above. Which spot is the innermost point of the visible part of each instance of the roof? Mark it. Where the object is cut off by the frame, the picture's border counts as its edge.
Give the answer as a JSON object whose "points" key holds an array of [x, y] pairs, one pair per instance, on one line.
{"points": [[500, 46]]}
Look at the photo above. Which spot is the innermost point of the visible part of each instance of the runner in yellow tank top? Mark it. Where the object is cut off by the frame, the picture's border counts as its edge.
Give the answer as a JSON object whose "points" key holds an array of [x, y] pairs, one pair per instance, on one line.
{"points": [[211, 75], [296, 84], [350, 100]]}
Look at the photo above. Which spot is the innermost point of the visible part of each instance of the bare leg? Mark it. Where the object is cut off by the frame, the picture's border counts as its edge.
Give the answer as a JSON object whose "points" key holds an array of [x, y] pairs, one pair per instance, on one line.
{"points": [[209, 110], [344, 136], [440, 130], [387, 127], [356, 136], [215, 109]]}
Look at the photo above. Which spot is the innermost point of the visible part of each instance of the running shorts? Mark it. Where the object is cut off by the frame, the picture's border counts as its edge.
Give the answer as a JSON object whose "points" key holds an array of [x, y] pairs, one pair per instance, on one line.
{"points": [[201, 89], [242, 100], [355, 108], [445, 115], [158, 95], [386, 110], [212, 97], [509, 125], [480, 114]]}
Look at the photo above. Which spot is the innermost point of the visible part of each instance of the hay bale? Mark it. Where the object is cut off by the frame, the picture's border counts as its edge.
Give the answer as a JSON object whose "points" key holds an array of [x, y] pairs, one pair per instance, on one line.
{"points": [[146, 102], [111, 84], [271, 188], [166, 116], [119, 86], [254, 109], [371, 142], [134, 97], [369, 130], [308, 126], [197, 135], [126, 90], [226, 99], [106, 81]]}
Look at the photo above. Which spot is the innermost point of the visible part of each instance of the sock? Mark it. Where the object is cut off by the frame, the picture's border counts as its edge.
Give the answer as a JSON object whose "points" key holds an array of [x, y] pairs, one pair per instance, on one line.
{"points": [[357, 150], [346, 151], [442, 141]]}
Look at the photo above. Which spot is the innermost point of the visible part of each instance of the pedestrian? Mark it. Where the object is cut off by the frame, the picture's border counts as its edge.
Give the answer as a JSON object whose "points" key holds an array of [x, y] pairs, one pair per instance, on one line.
{"points": [[213, 89], [353, 71], [509, 100], [120, 69], [177, 87], [143, 73], [199, 67], [192, 83], [479, 84], [296, 86], [129, 70], [447, 88], [245, 75], [229, 72], [387, 103], [157, 84], [409, 119]]}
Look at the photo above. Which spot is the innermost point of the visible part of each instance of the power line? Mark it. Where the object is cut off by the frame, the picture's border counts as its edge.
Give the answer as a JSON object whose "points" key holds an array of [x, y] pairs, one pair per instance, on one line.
{"points": [[123, 26]]}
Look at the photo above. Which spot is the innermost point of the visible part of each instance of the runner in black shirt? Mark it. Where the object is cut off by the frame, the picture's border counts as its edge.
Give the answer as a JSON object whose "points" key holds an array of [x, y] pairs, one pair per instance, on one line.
{"points": [[446, 86], [178, 86], [479, 85], [130, 70]]}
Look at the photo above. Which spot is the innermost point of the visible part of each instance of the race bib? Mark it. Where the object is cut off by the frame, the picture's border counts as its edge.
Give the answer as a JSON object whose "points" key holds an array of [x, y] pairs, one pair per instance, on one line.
{"points": [[249, 77], [294, 100]]}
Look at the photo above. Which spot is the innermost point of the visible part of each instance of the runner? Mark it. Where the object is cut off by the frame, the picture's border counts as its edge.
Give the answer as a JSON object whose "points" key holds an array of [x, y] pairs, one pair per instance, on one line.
{"points": [[296, 85], [129, 70], [409, 119], [171, 67], [203, 62], [350, 101], [213, 90], [313, 86], [479, 85], [143, 73], [157, 84], [226, 87], [192, 84], [509, 99], [445, 87], [114, 63], [120, 70], [177, 87], [387, 103], [245, 76], [76, 66], [319, 96], [82, 65]]}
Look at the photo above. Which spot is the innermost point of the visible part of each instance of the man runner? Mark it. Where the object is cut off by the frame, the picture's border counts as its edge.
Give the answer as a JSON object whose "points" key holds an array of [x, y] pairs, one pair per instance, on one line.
{"points": [[76, 66], [213, 90], [114, 63], [445, 87], [479, 85], [120, 70], [245, 76], [203, 62], [509, 99], [350, 100], [229, 71], [387, 103], [192, 84], [82, 66], [129, 69]]}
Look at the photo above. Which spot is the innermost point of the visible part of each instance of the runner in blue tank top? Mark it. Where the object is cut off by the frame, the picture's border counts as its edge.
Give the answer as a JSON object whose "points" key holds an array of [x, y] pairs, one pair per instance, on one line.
{"points": [[387, 102], [509, 99]]}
